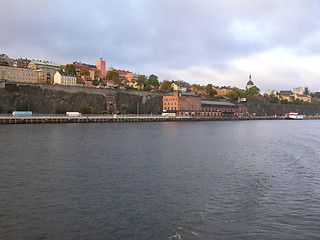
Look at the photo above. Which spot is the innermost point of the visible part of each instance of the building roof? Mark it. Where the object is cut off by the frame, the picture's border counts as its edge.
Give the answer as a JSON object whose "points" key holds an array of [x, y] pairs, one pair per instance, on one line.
{"points": [[68, 74], [217, 103], [284, 92], [183, 94], [45, 63], [181, 84], [250, 83]]}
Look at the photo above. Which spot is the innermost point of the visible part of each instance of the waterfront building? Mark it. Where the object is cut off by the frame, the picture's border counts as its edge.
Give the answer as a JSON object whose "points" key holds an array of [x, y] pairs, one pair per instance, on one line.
{"points": [[101, 65], [65, 78], [19, 75], [187, 104]]}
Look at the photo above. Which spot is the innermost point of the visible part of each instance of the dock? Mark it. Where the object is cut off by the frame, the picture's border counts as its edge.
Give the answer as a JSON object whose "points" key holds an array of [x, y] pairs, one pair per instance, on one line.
{"points": [[37, 119]]}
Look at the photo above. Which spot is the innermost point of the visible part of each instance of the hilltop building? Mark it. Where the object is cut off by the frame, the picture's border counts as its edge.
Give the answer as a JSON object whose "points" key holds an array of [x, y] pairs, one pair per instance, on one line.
{"points": [[45, 70], [101, 65], [180, 86], [19, 75], [65, 78], [250, 84]]}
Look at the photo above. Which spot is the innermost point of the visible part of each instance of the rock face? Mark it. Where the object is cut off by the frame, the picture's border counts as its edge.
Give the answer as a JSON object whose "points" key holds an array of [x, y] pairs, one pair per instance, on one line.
{"points": [[269, 109], [60, 99], [52, 99]]}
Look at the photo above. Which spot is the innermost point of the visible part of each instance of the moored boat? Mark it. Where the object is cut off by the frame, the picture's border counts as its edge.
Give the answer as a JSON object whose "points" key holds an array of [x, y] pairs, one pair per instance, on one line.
{"points": [[294, 116]]}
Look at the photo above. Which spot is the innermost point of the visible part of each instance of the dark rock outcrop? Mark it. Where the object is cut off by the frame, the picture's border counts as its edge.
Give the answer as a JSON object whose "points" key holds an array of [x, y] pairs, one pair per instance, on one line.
{"points": [[51, 100]]}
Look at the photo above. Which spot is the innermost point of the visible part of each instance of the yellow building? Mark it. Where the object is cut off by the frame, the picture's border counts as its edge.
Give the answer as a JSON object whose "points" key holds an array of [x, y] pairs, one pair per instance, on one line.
{"points": [[45, 70], [65, 78], [21, 75]]}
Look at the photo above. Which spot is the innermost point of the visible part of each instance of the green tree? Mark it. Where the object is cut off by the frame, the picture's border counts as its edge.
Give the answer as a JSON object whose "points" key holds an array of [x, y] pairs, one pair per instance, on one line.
{"points": [[116, 79], [70, 68], [238, 91], [210, 91], [142, 81], [153, 80], [97, 73], [87, 110], [232, 95], [274, 99], [251, 91], [110, 75], [195, 87], [166, 86]]}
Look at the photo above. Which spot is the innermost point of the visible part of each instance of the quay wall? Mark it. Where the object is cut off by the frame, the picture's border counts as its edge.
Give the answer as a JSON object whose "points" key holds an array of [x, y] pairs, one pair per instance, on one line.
{"points": [[112, 119]]}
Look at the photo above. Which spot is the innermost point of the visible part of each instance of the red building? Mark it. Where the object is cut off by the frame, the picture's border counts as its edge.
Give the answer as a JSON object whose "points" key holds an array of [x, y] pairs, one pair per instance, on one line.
{"points": [[187, 104]]}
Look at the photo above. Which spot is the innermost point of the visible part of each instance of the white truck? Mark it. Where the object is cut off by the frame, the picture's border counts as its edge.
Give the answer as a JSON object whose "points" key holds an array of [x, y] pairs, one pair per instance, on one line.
{"points": [[73, 114]]}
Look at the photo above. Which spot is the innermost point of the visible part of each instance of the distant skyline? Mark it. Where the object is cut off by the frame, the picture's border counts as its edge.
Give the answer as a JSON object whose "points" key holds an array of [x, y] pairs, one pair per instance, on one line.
{"points": [[220, 42]]}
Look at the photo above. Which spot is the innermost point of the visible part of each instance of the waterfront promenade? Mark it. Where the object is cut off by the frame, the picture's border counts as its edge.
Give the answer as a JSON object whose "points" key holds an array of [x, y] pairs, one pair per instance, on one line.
{"points": [[9, 119], [94, 118]]}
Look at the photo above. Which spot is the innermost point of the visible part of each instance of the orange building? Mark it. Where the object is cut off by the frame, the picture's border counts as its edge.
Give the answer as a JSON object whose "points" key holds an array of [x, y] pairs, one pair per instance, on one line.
{"points": [[187, 104], [182, 103], [101, 65]]}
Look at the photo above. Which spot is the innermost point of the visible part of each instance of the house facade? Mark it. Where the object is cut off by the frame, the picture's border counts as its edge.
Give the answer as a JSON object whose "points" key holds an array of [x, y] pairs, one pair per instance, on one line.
{"points": [[20, 75], [65, 78], [45, 70]]}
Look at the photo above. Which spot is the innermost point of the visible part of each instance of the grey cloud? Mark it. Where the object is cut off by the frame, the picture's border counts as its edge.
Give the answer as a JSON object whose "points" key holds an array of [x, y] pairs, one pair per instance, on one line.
{"points": [[149, 35]]}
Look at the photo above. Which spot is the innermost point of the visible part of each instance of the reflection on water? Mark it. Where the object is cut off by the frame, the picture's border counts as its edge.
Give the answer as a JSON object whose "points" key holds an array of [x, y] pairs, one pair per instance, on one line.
{"points": [[197, 180]]}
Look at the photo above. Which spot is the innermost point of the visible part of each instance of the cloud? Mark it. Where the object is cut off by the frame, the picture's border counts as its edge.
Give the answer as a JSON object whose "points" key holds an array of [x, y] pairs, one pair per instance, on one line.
{"points": [[208, 40]]}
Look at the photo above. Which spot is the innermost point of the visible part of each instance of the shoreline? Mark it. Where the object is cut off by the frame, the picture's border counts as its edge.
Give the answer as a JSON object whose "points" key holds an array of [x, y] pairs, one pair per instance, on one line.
{"points": [[38, 119]]}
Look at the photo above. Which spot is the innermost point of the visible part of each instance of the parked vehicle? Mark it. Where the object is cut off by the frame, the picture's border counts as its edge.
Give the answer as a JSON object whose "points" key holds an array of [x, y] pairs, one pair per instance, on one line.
{"points": [[22, 113], [73, 114]]}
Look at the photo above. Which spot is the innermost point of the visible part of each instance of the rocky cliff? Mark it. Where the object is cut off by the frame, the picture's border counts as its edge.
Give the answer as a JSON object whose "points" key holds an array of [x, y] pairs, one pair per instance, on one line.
{"points": [[57, 99], [270, 109]]}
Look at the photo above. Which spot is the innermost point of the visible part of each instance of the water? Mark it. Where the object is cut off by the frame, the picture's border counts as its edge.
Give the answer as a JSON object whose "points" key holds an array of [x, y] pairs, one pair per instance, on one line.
{"points": [[196, 180]]}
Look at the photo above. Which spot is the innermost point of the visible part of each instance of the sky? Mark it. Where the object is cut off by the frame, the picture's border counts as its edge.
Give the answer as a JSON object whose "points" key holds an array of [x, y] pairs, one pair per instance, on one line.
{"points": [[220, 42]]}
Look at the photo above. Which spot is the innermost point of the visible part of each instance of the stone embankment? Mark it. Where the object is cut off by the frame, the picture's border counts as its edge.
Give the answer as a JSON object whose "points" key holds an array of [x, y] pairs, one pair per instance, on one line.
{"points": [[6, 119]]}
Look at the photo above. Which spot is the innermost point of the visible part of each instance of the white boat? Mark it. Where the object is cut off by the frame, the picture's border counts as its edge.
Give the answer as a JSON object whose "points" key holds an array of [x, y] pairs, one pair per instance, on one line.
{"points": [[294, 116]]}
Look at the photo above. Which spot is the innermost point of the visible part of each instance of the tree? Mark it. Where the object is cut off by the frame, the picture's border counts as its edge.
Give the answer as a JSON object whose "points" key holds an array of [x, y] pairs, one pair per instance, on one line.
{"points": [[166, 86], [232, 95], [153, 80], [84, 72], [210, 91], [97, 73], [195, 87], [142, 81], [274, 99], [238, 91], [111, 74], [251, 91], [116, 79], [70, 68]]}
